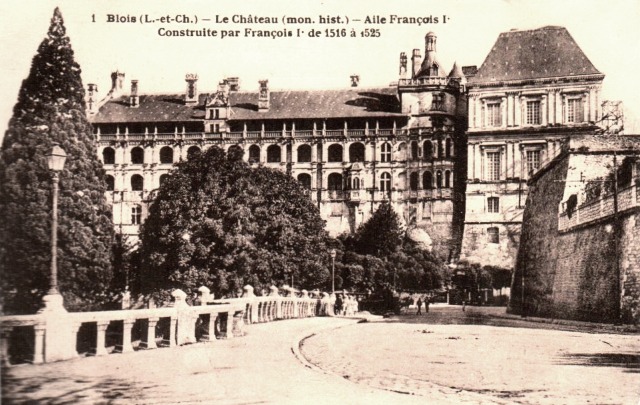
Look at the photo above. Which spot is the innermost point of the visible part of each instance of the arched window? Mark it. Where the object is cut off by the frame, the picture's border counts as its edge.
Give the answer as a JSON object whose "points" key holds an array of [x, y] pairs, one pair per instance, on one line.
{"points": [[356, 183], [304, 154], [427, 150], [493, 234], [136, 215], [166, 155], [447, 179], [137, 183], [427, 180], [413, 181], [305, 180], [335, 153], [163, 178], [335, 181], [273, 154], [385, 152], [448, 148], [192, 152], [385, 182], [111, 182], [235, 150], [356, 152], [137, 156], [414, 150], [254, 154], [108, 156], [439, 179]]}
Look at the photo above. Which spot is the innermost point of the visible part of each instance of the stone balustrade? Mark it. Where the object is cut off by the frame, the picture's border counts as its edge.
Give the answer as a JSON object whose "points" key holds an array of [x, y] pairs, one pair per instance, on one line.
{"points": [[53, 336]]}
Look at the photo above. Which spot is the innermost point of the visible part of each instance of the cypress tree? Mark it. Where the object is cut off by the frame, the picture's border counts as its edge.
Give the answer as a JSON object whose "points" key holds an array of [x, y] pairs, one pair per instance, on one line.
{"points": [[51, 108]]}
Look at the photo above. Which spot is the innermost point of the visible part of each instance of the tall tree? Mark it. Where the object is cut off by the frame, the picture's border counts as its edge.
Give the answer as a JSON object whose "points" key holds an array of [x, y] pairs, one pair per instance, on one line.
{"points": [[220, 223], [382, 234], [51, 108]]}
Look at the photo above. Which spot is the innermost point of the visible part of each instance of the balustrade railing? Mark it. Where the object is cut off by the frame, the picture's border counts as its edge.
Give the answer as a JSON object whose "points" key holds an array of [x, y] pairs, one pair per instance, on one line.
{"points": [[60, 335]]}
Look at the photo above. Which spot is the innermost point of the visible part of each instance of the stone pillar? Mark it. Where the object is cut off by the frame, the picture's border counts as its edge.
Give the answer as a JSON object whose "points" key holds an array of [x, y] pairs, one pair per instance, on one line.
{"points": [[151, 333], [101, 328], [509, 118], [211, 330], [558, 105], [60, 341], [472, 112], [238, 322], [127, 325], [544, 111], [518, 110], [38, 351], [5, 333], [204, 295], [172, 331]]}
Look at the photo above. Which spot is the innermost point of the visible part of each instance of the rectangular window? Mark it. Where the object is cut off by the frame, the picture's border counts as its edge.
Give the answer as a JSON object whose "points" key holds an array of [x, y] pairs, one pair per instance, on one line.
{"points": [[493, 234], [494, 116], [533, 161], [574, 110], [437, 103], [136, 215], [533, 112], [493, 204], [493, 166]]}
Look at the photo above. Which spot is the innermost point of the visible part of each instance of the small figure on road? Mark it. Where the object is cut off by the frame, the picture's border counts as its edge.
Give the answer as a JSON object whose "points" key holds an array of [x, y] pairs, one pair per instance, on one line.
{"points": [[338, 305], [419, 304], [427, 301], [464, 305]]}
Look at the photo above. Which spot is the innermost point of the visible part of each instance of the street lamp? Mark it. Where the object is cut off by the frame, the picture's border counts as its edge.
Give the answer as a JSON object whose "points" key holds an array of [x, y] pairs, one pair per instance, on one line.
{"points": [[55, 160], [333, 270]]}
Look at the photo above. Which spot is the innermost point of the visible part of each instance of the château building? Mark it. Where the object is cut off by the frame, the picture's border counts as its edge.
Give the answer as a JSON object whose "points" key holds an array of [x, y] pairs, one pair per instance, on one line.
{"points": [[451, 150], [535, 89], [352, 148]]}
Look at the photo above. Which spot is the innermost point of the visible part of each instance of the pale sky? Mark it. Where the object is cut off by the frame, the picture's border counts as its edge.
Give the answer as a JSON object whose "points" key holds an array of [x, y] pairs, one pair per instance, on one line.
{"points": [[607, 31]]}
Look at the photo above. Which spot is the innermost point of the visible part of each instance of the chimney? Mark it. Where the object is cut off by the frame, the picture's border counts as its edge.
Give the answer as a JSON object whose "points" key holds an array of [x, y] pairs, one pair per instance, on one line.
{"points": [[355, 80], [416, 61], [134, 100], [117, 83], [264, 96], [191, 96], [92, 99], [234, 84], [403, 65]]}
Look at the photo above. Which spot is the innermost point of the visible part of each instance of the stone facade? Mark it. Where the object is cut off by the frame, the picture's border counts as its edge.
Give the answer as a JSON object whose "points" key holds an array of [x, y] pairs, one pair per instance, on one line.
{"points": [[351, 148], [578, 255], [534, 89]]}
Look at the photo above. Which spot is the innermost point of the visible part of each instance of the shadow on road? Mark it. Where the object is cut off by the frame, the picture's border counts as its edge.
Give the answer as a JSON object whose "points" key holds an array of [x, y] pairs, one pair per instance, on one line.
{"points": [[630, 362]]}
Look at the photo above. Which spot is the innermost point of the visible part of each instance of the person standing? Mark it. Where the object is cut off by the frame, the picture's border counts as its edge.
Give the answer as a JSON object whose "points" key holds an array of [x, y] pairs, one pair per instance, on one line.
{"points": [[427, 301], [419, 304]]}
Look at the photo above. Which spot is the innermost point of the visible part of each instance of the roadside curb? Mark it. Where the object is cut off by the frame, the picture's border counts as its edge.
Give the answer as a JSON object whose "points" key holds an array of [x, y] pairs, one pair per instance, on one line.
{"points": [[591, 326]]}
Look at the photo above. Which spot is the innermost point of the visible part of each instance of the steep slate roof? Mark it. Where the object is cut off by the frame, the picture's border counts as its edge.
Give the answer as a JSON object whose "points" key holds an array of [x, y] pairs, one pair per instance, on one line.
{"points": [[345, 103], [540, 53]]}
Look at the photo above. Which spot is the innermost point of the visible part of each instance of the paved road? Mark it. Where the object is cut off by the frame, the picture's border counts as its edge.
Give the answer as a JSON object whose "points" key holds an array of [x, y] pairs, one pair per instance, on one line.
{"points": [[457, 354], [259, 368], [371, 363]]}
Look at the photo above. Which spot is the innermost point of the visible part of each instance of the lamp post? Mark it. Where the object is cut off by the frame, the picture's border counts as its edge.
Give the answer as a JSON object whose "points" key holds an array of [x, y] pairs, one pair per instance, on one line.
{"points": [[53, 300], [333, 270], [55, 160]]}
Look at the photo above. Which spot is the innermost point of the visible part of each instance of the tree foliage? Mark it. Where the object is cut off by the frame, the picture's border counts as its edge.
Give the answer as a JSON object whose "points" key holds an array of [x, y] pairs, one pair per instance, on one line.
{"points": [[218, 222], [51, 108], [379, 257]]}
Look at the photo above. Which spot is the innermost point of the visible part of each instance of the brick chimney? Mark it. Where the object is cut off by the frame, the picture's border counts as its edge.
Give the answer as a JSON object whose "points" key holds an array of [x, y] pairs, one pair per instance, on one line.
{"points": [[92, 98], [134, 99], [234, 83], [403, 65], [117, 83], [191, 95], [264, 96], [355, 80], [416, 61]]}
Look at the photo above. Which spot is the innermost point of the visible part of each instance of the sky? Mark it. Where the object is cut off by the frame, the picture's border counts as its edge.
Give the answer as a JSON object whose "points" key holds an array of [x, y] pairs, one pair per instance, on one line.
{"points": [[607, 31]]}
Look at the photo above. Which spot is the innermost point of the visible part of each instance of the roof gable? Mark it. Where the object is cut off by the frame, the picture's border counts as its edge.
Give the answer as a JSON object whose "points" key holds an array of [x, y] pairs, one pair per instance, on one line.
{"points": [[534, 54]]}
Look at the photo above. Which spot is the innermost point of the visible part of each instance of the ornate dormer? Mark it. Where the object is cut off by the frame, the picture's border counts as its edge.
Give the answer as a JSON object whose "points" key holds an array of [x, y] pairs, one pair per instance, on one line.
{"points": [[217, 108], [191, 96], [134, 99]]}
